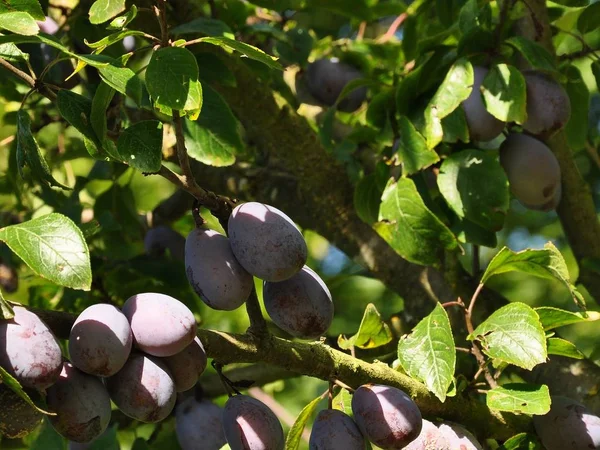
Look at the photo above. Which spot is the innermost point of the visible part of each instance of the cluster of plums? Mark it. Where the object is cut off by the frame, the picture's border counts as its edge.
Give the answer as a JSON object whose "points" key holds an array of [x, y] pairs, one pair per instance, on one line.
{"points": [[532, 169], [139, 358], [265, 243]]}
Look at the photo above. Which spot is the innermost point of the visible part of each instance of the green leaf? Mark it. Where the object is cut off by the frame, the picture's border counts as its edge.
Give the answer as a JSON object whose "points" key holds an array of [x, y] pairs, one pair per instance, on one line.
{"points": [[428, 353], [373, 331], [6, 310], [552, 318], [204, 25], [468, 18], [13, 54], [343, 402], [596, 71], [49, 439], [469, 232], [14, 385], [409, 226], [124, 80], [455, 89], [589, 19], [294, 436], [504, 93], [475, 186], [514, 335], [214, 138], [573, 3], [562, 347], [54, 248], [140, 145], [247, 50], [29, 153], [367, 197], [579, 95], [536, 55], [547, 263], [455, 128], [31, 7], [112, 39], [521, 441], [122, 21], [213, 70], [19, 22], [102, 98], [172, 79], [103, 10], [520, 398], [77, 110], [413, 151]]}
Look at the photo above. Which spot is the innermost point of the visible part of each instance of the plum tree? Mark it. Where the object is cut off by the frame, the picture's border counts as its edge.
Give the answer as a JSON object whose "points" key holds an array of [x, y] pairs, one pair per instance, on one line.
{"points": [[143, 389], [431, 438], [568, 426], [17, 417], [159, 239], [28, 350], [483, 126], [532, 170], [249, 424], [266, 242], [335, 430], [100, 340], [214, 272], [161, 325], [300, 305], [458, 437], [326, 78], [199, 425], [187, 365], [548, 105], [81, 404], [386, 415]]}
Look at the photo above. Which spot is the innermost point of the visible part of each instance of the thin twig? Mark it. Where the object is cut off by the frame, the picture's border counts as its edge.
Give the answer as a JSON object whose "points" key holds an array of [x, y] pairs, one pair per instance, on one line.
{"points": [[161, 16], [7, 140], [455, 303], [393, 28], [361, 31], [25, 77]]}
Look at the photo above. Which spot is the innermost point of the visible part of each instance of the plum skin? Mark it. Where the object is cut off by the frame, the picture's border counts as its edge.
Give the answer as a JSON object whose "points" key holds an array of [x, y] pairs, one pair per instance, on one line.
{"points": [[199, 425], [430, 438], [548, 105], [266, 242], [100, 340], [161, 325], [81, 404], [187, 365], [386, 415], [458, 437], [249, 424], [143, 389], [29, 351], [335, 430], [300, 305], [162, 238], [214, 272]]}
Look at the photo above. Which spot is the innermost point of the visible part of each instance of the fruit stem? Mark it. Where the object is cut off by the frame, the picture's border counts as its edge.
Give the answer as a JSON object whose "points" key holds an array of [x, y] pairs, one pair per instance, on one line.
{"points": [[258, 324]]}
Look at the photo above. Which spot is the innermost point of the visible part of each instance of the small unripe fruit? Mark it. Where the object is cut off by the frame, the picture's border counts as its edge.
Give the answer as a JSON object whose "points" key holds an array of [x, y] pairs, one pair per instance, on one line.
{"points": [[386, 416], [483, 126], [532, 170], [214, 272], [187, 365], [100, 340], [199, 425], [81, 404], [161, 325], [334, 430], [548, 105], [250, 425], [266, 242]]}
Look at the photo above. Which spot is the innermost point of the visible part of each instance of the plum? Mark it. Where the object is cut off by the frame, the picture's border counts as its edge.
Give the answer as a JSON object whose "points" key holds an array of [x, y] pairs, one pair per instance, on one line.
{"points": [[326, 78], [143, 389], [568, 426], [100, 340], [430, 438], [162, 238], [214, 273], [300, 305], [482, 125], [266, 242], [81, 404], [548, 105], [335, 430], [17, 417], [161, 325], [532, 170], [458, 437], [249, 424], [187, 365], [29, 351], [386, 415], [199, 425]]}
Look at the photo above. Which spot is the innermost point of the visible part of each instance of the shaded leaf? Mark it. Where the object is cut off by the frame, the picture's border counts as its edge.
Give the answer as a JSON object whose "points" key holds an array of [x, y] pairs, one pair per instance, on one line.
{"points": [[140, 145], [77, 110], [6, 311], [367, 197], [521, 441], [373, 331], [247, 50], [122, 21], [204, 25], [520, 398], [13, 54], [413, 151], [576, 128], [536, 55], [14, 385], [124, 80], [294, 436], [504, 93], [112, 39]]}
